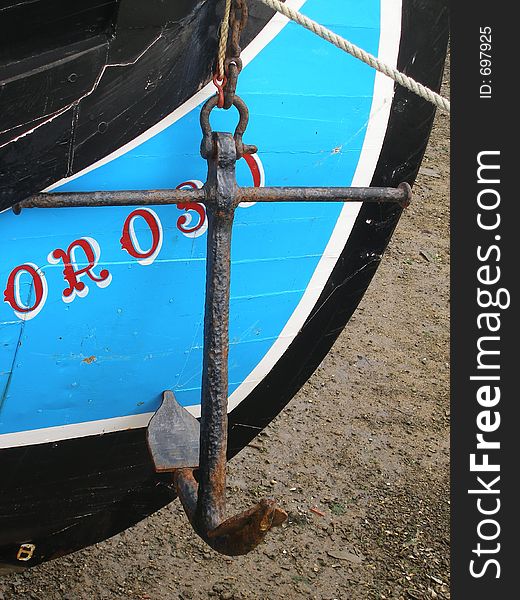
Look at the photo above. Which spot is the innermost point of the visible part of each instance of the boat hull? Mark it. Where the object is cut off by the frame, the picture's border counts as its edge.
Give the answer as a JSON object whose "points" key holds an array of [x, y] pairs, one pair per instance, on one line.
{"points": [[92, 483]]}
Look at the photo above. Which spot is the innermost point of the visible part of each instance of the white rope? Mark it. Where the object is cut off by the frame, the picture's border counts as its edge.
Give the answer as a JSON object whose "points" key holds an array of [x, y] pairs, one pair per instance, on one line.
{"points": [[353, 50]]}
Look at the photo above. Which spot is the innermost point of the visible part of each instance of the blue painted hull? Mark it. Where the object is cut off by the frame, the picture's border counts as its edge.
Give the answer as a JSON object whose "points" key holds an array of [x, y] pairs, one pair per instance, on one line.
{"points": [[138, 331]]}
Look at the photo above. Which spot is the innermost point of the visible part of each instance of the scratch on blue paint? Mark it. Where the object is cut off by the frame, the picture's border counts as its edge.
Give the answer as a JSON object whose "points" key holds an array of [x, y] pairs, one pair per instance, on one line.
{"points": [[15, 356]]}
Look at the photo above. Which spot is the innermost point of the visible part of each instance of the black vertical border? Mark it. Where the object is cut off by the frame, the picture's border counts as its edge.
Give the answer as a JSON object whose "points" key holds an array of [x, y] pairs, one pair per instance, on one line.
{"points": [[482, 124]]}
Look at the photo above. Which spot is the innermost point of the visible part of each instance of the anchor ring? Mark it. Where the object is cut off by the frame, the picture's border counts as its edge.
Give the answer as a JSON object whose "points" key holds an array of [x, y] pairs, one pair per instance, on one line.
{"points": [[206, 147]]}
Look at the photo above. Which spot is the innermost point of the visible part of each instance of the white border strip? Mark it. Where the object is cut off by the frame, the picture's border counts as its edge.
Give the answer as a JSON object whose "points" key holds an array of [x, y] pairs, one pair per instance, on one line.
{"points": [[77, 430], [379, 114]]}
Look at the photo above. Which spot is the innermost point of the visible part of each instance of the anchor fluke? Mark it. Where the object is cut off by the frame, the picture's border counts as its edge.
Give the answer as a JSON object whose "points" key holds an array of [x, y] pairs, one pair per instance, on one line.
{"points": [[173, 436], [237, 535]]}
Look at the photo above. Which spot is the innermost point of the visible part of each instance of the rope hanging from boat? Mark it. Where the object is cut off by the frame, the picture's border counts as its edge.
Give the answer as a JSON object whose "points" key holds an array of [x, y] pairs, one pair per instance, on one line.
{"points": [[328, 35], [222, 44]]}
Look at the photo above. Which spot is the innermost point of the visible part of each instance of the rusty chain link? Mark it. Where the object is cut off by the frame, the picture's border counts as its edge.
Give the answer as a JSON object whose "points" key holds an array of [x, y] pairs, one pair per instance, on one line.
{"points": [[226, 81], [237, 21]]}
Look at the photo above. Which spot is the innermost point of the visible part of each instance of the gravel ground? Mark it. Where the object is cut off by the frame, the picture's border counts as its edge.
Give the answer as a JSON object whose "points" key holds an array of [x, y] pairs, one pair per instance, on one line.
{"points": [[359, 459]]}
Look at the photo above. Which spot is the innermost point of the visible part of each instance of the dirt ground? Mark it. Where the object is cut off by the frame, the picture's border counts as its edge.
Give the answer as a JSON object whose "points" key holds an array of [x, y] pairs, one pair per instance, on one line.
{"points": [[359, 459]]}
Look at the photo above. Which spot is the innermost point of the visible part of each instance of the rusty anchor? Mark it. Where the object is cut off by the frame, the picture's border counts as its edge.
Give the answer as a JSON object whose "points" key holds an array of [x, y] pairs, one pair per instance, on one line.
{"points": [[195, 453], [202, 491]]}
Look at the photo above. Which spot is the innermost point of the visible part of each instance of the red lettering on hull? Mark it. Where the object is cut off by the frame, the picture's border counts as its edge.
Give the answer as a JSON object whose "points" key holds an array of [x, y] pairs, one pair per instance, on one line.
{"points": [[38, 287], [192, 223], [72, 274], [130, 243]]}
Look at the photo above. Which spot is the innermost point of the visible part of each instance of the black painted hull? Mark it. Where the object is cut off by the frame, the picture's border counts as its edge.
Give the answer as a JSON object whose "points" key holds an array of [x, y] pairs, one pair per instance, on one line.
{"points": [[68, 102]]}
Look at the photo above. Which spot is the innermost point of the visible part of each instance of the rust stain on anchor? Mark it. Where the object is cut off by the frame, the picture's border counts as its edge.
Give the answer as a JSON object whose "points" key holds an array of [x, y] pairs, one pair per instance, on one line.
{"points": [[237, 535]]}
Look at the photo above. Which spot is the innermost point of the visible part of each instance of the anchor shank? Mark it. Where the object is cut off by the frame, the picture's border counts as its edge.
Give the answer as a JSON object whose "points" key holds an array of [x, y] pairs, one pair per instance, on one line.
{"points": [[221, 192]]}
